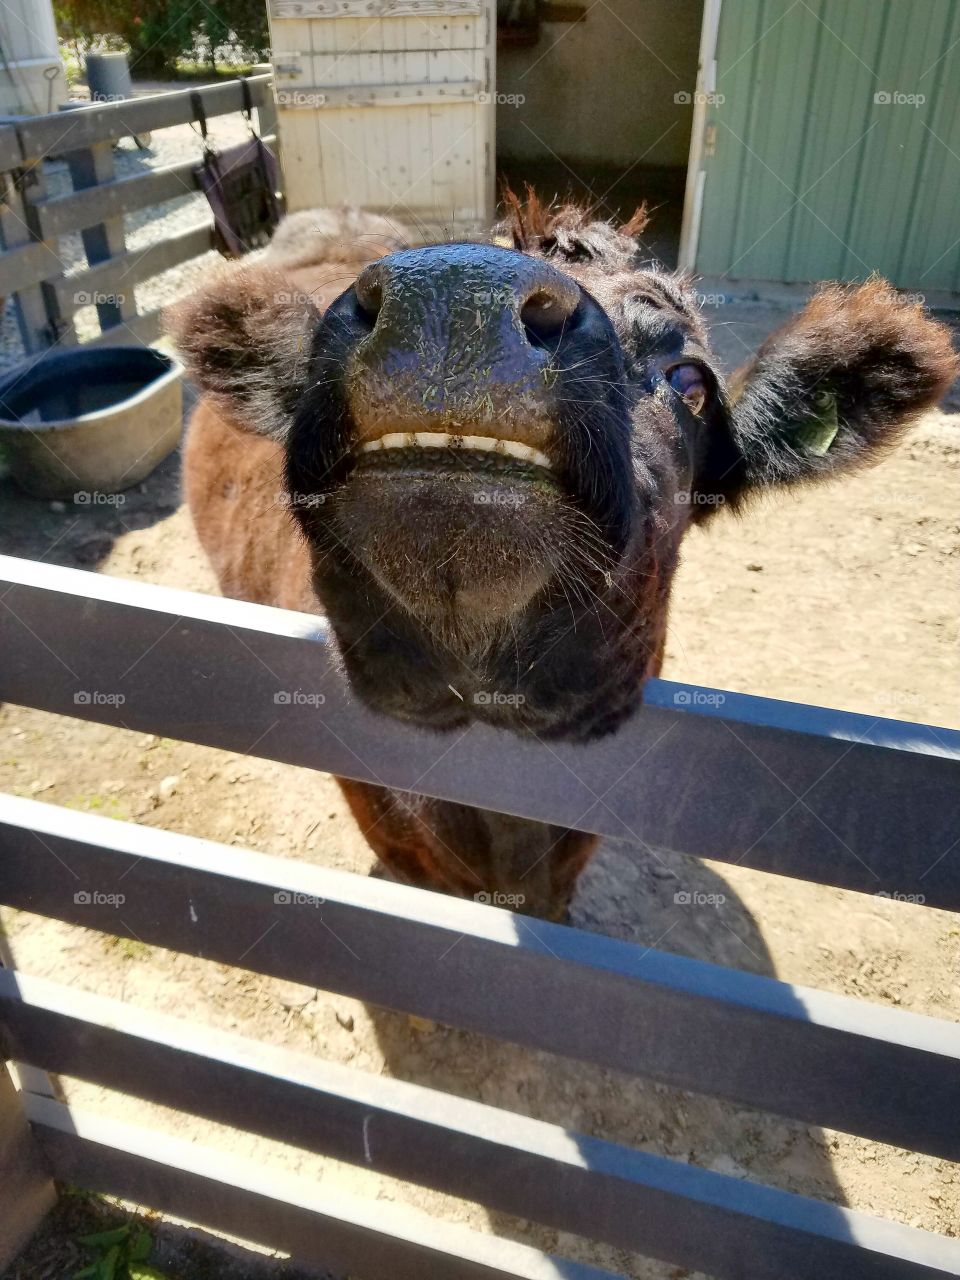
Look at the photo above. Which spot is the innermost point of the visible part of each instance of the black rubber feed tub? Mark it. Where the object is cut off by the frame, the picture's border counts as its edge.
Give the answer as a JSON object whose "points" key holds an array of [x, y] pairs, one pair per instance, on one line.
{"points": [[90, 420]]}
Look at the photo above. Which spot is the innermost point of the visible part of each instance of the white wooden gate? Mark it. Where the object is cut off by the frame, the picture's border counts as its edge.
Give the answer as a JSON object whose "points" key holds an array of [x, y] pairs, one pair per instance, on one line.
{"points": [[388, 104]]}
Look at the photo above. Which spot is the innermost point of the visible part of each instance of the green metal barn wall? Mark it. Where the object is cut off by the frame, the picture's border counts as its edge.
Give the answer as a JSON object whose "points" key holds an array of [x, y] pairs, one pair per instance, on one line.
{"points": [[811, 177]]}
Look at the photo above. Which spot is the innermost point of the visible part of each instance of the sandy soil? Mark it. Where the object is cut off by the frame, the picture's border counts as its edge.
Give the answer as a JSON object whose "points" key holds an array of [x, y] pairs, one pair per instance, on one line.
{"points": [[844, 596]]}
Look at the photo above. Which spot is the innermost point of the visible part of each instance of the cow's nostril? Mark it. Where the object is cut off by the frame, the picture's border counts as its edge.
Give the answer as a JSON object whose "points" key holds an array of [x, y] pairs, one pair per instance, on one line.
{"points": [[369, 291], [545, 312]]}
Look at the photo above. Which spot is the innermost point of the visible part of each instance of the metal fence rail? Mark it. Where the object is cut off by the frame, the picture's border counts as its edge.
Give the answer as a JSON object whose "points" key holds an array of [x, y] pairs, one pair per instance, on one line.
{"points": [[627, 1198], [870, 805], [281, 1212], [31, 220], [810, 1055], [209, 670]]}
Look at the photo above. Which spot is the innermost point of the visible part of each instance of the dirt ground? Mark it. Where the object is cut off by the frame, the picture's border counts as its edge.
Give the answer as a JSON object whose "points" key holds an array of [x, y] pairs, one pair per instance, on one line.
{"points": [[844, 595]]}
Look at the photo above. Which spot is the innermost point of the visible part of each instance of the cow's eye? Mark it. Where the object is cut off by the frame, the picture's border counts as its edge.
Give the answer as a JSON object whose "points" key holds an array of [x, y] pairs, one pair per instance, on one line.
{"points": [[689, 381]]}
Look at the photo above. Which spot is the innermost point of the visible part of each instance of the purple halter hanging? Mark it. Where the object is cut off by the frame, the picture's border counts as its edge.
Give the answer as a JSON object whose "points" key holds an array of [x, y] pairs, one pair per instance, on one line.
{"points": [[240, 185]]}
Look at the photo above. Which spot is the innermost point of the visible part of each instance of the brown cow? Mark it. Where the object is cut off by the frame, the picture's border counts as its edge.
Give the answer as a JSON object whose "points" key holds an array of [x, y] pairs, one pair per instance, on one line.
{"points": [[491, 455]]}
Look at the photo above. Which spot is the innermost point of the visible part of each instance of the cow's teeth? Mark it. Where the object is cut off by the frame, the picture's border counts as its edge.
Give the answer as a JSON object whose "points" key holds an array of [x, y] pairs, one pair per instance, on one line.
{"points": [[443, 440]]}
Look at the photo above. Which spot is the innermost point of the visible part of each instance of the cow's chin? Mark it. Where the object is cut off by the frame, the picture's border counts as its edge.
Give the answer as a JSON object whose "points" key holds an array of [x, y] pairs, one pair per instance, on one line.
{"points": [[461, 548]]}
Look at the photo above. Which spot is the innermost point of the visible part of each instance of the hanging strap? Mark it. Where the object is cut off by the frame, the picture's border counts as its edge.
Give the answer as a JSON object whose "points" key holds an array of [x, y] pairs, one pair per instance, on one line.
{"points": [[247, 104], [199, 114]]}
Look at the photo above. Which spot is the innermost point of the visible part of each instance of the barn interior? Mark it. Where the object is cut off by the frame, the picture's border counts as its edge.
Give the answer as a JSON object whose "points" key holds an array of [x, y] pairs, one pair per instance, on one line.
{"points": [[595, 102]]}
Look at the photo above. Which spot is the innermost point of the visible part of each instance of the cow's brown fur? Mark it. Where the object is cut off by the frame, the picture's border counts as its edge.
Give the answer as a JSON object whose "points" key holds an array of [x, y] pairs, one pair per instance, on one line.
{"points": [[234, 478]]}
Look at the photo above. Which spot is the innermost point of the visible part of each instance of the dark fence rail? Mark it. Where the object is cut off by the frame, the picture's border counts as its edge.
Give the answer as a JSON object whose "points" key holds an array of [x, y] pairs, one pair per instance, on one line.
{"points": [[354, 1238], [810, 1055], [870, 805], [535, 983], [32, 221], [210, 670]]}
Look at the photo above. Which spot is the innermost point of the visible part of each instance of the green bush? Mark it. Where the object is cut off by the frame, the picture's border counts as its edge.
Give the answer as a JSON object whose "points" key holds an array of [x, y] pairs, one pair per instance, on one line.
{"points": [[238, 22], [159, 32]]}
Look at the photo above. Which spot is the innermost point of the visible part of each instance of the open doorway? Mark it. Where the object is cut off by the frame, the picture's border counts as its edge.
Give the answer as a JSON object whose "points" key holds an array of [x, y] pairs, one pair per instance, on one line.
{"points": [[595, 103]]}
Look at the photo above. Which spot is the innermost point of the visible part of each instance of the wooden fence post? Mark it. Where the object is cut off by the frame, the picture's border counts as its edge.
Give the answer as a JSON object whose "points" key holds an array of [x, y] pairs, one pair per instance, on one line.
{"points": [[93, 167], [22, 182], [26, 1188], [268, 126], [267, 114]]}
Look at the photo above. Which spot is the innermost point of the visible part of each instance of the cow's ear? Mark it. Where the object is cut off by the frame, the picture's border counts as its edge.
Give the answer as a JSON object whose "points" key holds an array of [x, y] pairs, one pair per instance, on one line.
{"points": [[245, 339], [829, 391]]}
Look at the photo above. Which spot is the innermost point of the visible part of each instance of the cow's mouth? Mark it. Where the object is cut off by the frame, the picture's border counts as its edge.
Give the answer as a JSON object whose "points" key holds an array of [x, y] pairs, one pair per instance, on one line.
{"points": [[412, 444]]}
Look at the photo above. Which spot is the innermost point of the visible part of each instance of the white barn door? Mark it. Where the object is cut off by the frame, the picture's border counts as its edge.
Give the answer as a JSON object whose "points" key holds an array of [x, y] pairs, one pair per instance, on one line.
{"points": [[389, 105]]}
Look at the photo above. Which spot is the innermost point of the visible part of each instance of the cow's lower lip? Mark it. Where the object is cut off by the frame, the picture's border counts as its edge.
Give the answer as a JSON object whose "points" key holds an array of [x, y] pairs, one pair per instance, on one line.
{"points": [[460, 540]]}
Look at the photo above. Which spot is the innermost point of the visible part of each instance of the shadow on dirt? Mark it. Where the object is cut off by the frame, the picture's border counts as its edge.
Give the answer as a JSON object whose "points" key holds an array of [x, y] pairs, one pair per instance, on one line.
{"points": [[659, 901]]}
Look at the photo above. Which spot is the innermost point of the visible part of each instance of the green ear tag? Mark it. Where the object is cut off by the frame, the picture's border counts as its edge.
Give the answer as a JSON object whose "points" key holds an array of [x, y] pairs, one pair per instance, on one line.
{"points": [[819, 431]]}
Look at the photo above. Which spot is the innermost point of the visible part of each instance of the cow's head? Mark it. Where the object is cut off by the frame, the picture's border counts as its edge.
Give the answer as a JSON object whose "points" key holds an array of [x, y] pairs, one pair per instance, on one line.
{"points": [[494, 450]]}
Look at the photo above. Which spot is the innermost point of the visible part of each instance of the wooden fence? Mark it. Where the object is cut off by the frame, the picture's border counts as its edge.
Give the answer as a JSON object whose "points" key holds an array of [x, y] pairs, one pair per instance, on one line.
{"points": [[842, 799], [32, 220]]}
